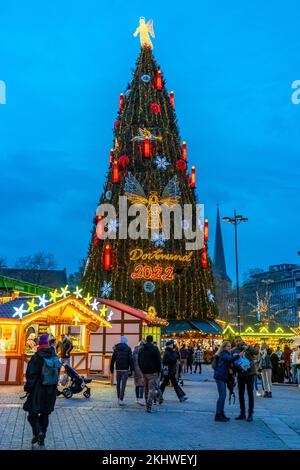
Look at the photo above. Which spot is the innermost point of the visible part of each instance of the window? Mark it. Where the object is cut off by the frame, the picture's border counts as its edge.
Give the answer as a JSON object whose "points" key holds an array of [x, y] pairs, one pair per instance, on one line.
{"points": [[154, 331], [8, 338]]}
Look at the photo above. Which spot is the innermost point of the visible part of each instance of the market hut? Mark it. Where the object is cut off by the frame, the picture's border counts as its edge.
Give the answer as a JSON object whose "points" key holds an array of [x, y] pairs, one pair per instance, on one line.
{"points": [[274, 337], [22, 319]]}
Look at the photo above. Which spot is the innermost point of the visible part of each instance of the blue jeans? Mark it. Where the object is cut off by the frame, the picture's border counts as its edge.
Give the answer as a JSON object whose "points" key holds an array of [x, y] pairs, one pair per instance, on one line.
{"points": [[298, 375], [222, 396], [294, 373]]}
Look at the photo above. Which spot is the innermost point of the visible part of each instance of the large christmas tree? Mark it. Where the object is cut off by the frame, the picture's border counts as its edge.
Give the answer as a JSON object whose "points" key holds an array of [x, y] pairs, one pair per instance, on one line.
{"points": [[148, 164]]}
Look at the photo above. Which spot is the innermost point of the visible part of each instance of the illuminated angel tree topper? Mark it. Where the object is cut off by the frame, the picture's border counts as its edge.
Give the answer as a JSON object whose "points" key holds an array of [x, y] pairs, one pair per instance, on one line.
{"points": [[148, 166]]}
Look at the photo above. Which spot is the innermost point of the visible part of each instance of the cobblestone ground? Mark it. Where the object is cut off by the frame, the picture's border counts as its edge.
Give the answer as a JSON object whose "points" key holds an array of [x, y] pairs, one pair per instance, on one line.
{"points": [[98, 423]]}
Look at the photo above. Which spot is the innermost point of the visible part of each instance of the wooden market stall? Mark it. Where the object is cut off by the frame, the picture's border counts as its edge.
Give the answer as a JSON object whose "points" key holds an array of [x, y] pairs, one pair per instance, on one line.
{"points": [[272, 336], [22, 318]]}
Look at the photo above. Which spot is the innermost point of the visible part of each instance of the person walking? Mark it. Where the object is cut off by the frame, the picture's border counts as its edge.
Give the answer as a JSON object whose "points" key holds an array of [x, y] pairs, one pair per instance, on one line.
{"points": [[275, 366], [246, 378], [138, 375], [223, 360], [190, 358], [265, 365], [150, 364], [184, 356], [287, 362], [122, 360], [198, 359], [169, 371], [42, 375]]}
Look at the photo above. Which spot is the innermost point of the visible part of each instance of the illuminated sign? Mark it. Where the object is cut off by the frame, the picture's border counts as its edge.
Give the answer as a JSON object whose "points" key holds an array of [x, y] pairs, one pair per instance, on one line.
{"points": [[153, 273], [137, 254]]}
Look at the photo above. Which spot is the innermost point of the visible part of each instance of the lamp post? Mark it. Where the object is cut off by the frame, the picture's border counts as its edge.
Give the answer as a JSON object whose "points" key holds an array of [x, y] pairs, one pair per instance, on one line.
{"points": [[236, 220]]}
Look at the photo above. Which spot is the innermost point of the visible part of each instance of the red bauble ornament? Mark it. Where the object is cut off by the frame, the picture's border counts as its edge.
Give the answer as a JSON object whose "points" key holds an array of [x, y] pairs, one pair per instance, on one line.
{"points": [[155, 108], [181, 165], [117, 123], [123, 161]]}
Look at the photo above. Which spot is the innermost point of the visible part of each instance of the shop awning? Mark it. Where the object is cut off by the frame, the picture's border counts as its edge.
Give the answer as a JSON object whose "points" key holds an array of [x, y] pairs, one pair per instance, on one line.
{"points": [[203, 326]]}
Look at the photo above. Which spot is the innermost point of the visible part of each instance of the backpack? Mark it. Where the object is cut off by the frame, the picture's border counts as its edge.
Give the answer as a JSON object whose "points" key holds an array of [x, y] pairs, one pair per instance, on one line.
{"points": [[242, 365], [50, 370]]}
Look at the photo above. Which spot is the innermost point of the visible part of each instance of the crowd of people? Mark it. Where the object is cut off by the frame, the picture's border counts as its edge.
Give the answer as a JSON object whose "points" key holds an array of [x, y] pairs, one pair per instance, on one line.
{"points": [[153, 372], [248, 364]]}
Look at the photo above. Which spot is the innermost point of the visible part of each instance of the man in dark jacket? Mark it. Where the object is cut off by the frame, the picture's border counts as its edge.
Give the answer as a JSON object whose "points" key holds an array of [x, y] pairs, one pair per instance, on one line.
{"points": [[65, 347], [40, 398], [122, 359], [246, 379], [169, 371], [150, 364]]}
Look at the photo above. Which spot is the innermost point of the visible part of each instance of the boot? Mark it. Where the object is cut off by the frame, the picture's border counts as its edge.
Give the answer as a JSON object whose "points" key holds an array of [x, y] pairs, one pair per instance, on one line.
{"points": [[240, 417], [40, 439], [220, 418], [225, 417], [250, 418], [269, 394]]}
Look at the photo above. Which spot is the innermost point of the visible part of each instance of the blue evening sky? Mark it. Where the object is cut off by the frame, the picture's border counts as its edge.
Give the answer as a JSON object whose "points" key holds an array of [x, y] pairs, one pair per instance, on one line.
{"points": [[231, 65]]}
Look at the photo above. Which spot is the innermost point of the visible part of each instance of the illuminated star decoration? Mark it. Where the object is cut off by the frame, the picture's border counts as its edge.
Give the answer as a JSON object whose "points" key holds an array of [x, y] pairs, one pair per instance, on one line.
{"points": [[65, 292], [31, 305], [159, 239], [103, 311], [76, 319], [54, 295], [77, 293], [210, 295], [109, 316], [161, 163], [88, 299], [94, 305], [19, 311], [106, 289], [43, 301]]}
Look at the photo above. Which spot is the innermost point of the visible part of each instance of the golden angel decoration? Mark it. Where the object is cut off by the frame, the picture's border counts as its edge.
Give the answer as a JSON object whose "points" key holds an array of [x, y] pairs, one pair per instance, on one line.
{"points": [[144, 29], [136, 195]]}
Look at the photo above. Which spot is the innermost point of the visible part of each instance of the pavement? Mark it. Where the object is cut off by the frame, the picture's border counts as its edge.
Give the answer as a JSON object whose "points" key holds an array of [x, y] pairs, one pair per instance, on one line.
{"points": [[99, 423]]}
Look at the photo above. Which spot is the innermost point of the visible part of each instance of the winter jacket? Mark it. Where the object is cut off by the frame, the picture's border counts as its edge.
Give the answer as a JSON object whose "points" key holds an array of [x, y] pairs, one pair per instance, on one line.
{"points": [[170, 360], [149, 359], [224, 360], [138, 376], [190, 357], [65, 348], [265, 361], [198, 356], [122, 358], [250, 354], [184, 353], [41, 397]]}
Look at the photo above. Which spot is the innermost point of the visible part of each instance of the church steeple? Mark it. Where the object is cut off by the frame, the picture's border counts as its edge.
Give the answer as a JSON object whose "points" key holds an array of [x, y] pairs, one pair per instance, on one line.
{"points": [[219, 257]]}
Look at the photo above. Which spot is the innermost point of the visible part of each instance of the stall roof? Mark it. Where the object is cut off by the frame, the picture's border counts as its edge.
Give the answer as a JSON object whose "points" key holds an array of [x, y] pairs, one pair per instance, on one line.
{"points": [[204, 326], [140, 314]]}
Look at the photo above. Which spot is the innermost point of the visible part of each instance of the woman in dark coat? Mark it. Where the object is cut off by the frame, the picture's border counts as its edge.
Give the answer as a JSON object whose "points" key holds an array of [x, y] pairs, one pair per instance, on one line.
{"points": [[40, 398], [169, 371]]}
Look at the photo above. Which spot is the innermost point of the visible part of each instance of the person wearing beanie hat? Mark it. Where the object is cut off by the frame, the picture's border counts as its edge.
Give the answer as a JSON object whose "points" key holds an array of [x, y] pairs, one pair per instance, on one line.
{"points": [[122, 361], [42, 376]]}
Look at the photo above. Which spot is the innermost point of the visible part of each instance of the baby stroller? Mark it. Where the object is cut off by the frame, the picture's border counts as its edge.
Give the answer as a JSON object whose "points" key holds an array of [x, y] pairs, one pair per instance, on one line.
{"points": [[77, 385]]}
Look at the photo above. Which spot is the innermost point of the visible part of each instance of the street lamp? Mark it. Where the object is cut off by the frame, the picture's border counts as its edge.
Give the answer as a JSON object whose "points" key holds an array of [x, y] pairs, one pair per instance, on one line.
{"points": [[236, 220]]}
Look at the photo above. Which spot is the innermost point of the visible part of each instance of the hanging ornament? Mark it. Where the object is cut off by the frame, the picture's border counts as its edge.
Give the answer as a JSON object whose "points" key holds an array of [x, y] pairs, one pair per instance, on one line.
{"points": [[161, 163], [108, 195], [121, 102], [149, 287], [206, 230], [106, 289], [127, 93], [147, 148], [117, 123], [181, 165], [115, 172], [172, 102], [193, 178], [155, 108], [158, 80], [111, 156], [145, 78], [184, 151], [107, 257], [204, 257], [123, 161]]}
